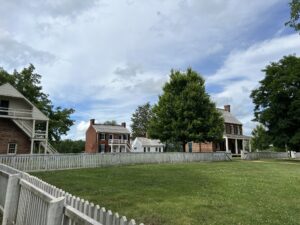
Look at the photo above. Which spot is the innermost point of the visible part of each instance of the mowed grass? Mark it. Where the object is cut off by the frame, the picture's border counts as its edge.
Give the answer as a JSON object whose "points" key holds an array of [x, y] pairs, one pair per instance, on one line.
{"points": [[237, 192]]}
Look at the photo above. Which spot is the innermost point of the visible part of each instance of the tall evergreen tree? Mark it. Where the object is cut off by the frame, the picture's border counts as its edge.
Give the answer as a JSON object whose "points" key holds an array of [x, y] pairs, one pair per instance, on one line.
{"points": [[140, 120], [185, 111]]}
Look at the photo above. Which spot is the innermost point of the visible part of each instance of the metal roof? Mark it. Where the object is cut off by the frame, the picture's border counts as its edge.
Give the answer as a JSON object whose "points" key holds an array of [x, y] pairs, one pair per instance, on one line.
{"points": [[149, 142], [112, 129], [229, 118]]}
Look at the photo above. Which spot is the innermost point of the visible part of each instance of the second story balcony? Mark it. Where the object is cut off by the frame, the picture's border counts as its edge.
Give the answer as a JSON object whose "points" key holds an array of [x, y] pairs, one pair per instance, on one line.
{"points": [[15, 113], [117, 141]]}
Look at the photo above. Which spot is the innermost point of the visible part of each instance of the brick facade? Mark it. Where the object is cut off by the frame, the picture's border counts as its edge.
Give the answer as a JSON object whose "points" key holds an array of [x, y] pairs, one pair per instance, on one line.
{"points": [[201, 147], [91, 140], [11, 133]]}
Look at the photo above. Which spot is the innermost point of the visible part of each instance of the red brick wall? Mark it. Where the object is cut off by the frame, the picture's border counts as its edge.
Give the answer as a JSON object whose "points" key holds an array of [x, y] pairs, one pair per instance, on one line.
{"points": [[91, 140], [201, 147], [11, 133]]}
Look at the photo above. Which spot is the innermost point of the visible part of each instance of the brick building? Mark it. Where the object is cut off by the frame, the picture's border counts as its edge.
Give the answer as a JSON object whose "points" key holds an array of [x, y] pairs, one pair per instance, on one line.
{"points": [[107, 138], [23, 127], [233, 139]]}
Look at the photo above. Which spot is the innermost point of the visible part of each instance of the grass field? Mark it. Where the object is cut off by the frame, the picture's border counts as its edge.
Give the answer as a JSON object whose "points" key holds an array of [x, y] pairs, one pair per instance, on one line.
{"points": [[241, 193]]}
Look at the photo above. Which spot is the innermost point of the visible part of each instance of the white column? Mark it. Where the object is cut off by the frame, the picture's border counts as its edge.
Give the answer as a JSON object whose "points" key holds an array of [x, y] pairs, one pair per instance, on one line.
{"points": [[32, 136], [236, 147], [250, 145], [243, 144], [46, 142], [226, 144]]}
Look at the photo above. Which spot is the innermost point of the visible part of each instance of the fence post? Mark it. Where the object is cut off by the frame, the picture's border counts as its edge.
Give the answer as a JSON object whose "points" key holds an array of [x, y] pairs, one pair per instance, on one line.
{"points": [[55, 211], [11, 200]]}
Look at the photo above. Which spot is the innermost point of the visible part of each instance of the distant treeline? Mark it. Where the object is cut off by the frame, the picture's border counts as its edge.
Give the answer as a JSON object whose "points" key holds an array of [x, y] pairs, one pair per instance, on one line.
{"points": [[69, 146]]}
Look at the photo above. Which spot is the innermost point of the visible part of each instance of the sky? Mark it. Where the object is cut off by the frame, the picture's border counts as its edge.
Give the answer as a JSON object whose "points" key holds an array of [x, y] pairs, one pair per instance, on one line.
{"points": [[105, 57]]}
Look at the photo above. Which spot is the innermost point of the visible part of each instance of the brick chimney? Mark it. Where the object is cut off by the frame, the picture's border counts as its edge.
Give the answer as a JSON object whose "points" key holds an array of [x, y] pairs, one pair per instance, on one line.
{"points": [[123, 124], [227, 108], [92, 122]]}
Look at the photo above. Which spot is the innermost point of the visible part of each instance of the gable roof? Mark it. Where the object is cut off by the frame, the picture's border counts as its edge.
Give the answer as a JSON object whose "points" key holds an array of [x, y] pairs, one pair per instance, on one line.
{"points": [[8, 90], [113, 129], [229, 118], [149, 142]]}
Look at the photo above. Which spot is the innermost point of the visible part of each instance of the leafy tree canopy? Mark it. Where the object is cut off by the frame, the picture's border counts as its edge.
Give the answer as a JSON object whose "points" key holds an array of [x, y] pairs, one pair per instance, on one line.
{"points": [[69, 146], [260, 140], [140, 120], [110, 122], [294, 21], [277, 102], [185, 112], [29, 84]]}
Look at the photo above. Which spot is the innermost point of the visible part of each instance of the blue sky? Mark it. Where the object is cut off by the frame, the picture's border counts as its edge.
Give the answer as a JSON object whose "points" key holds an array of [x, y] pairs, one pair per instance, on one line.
{"points": [[105, 57]]}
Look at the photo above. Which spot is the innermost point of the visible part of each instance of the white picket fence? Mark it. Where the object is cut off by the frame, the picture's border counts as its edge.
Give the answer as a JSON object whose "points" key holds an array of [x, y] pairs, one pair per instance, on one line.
{"points": [[72, 161], [27, 200], [264, 155]]}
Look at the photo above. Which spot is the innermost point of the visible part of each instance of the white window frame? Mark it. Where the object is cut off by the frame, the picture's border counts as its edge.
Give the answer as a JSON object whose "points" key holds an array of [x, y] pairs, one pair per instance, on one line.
{"points": [[8, 147]]}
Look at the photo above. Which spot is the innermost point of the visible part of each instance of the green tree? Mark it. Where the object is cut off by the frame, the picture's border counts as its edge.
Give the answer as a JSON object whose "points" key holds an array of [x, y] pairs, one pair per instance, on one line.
{"points": [[185, 112], [260, 140], [140, 120], [29, 84], [277, 102], [110, 122], [294, 15], [69, 146]]}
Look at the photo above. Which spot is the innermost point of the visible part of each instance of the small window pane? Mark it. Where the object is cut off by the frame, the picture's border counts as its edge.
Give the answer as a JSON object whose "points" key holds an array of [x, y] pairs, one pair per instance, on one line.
{"points": [[12, 148]]}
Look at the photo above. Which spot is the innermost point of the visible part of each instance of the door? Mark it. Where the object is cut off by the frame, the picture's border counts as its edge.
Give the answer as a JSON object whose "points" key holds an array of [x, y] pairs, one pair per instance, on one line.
{"points": [[4, 107], [190, 146]]}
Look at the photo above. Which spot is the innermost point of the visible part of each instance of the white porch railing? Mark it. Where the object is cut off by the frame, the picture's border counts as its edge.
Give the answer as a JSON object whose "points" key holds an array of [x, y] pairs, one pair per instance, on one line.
{"points": [[117, 141], [27, 127], [15, 113]]}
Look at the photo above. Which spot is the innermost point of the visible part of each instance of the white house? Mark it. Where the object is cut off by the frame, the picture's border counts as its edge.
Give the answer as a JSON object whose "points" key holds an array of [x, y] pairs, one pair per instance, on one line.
{"points": [[141, 144]]}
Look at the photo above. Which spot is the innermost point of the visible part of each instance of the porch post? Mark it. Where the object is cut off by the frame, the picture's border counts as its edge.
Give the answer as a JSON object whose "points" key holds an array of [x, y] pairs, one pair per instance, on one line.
{"points": [[226, 144], [243, 144], [250, 145], [32, 136], [236, 147], [46, 144]]}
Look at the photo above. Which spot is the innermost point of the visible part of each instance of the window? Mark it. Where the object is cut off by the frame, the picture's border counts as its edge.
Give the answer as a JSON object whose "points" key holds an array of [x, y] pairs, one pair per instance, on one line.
{"points": [[235, 129], [12, 148], [102, 136], [144, 149], [124, 137], [156, 149], [110, 136], [159, 149], [4, 107], [102, 148], [148, 149]]}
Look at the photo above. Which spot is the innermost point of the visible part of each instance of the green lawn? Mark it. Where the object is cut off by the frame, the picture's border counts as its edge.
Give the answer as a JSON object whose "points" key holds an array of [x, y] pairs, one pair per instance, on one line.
{"points": [[237, 192]]}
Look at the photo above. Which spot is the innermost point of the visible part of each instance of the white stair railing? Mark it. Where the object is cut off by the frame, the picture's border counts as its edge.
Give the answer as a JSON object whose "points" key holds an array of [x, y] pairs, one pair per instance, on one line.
{"points": [[25, 125], [49, 148]]}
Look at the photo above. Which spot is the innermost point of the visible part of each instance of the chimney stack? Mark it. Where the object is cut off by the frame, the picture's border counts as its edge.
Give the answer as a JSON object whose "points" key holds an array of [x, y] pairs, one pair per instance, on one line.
{"points": [[92, 121], [227, 108], [123, 124]]}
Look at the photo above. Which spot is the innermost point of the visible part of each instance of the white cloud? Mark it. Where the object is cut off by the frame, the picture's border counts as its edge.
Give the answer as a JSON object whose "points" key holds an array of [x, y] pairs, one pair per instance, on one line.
{"points": [[241, 72], [105, 57]]}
